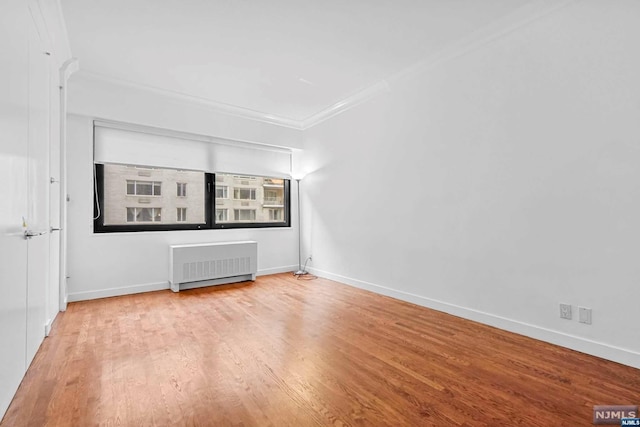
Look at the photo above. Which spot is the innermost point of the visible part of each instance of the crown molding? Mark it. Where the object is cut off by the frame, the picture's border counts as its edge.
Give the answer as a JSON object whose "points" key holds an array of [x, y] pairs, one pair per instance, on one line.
{"points": [[522, 17], [500, 28], [69, 67], [49, 21], [218, 107], [346, 104]]}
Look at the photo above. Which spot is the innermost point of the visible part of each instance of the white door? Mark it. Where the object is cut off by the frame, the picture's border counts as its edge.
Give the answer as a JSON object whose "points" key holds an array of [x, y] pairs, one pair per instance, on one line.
{"points": [[14, 98], [24, 193], [37, 194], [53, 298]]}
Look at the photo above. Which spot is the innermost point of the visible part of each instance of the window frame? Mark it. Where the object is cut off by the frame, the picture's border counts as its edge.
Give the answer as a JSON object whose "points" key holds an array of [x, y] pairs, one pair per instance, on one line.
{"points": [[98, 222], [220, 187], [181, 212], [180, 185], [209, 211], [273, 210], [226, 211], [252, 192], [285, 223], [135, 209], [239, 212], [141, 181]]}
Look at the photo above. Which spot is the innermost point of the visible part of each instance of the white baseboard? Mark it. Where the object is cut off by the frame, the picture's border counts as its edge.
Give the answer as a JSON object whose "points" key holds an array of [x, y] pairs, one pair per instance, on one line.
{"points": [[150, 287], [595, 348], [47, 327], [115, 292], [277, 270]]}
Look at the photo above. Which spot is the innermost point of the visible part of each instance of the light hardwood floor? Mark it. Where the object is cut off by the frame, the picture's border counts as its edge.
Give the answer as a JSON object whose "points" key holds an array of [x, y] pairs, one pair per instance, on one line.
{"points": [[287, 352]]}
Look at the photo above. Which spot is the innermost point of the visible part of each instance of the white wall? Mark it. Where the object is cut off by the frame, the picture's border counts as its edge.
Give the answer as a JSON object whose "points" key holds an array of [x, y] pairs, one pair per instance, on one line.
{"points": [[110, 264], [497, 184], [105, 99]]}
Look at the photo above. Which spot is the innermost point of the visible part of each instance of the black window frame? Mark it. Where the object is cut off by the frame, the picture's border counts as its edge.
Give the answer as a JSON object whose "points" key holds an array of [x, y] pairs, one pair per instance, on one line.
{"points": [[286, 222], [209, 206]]}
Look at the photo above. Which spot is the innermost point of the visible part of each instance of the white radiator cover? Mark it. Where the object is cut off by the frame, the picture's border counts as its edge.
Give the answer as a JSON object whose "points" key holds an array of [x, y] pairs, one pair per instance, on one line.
{"points": [[204, 264]]}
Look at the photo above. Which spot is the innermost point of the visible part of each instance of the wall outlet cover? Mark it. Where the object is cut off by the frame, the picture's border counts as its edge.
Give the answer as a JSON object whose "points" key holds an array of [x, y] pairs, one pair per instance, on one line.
{"points": [[584, 315], [565, 311]]}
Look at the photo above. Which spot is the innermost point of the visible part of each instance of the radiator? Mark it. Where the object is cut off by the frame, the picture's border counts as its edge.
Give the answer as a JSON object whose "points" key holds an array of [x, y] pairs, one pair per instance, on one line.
{"points": [[204, 264]]}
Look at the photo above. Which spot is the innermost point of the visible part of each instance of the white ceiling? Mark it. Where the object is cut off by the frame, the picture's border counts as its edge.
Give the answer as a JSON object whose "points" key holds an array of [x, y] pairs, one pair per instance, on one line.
{"points": [[287, 58]]}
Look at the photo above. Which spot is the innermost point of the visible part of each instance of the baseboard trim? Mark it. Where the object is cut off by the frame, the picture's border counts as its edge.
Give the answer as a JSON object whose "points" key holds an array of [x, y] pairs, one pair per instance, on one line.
{"points": [[583, 345], [150, 287], [115, 292], [276, 270]]}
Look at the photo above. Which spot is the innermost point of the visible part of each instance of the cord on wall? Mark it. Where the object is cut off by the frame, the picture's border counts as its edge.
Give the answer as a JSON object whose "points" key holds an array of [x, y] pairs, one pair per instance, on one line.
{"points": [[95, 192]]}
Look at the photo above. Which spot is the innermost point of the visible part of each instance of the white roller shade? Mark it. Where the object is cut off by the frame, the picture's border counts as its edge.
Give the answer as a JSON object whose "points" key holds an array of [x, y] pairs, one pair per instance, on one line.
{"points": [[125, 144]]}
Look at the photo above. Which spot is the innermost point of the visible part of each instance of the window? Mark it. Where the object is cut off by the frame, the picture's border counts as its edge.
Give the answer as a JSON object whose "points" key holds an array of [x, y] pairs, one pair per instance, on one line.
{"points": [[222, 215], [275, 215], [244, 215], [144, 188], [222, 192], [181, 215], [182, 189], [273, 197], [151, 179], [144, 214], [127, 203], [124, 202], [257, 201], [244, 193]]}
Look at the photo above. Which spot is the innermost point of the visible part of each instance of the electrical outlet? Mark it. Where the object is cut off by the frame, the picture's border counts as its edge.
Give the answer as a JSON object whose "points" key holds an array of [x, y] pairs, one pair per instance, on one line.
{"points": [[584, 315], [565, 311]]}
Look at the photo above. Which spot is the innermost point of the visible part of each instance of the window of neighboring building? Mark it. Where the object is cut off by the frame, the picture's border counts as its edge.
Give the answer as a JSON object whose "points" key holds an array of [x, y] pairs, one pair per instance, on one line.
{"points": [[244, 193], [181, 215], [144, 214], [244, 214], [276, 214], [182, 189], [144, 188], [222, 192], [222, 215], [273, 197]]}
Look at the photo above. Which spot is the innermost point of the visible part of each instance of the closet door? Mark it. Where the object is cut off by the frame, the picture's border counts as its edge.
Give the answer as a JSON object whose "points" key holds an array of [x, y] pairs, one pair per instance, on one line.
{"points": [[38, 184], [14, 115]]}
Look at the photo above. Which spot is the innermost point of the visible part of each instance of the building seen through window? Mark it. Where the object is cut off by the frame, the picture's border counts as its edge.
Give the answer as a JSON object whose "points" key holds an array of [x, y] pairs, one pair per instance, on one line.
{"points": [[255, 199], [134, 198], [142, 195]]}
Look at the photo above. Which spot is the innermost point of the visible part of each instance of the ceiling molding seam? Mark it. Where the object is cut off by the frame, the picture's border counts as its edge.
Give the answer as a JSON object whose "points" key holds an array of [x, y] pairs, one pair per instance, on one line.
{"points": [[346, 104], [476, 40], [213, 105], [527, 14]]}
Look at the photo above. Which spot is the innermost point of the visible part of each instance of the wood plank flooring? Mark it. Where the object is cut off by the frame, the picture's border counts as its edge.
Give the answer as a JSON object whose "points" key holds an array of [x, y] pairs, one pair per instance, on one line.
{"points": [[287, 352]]}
